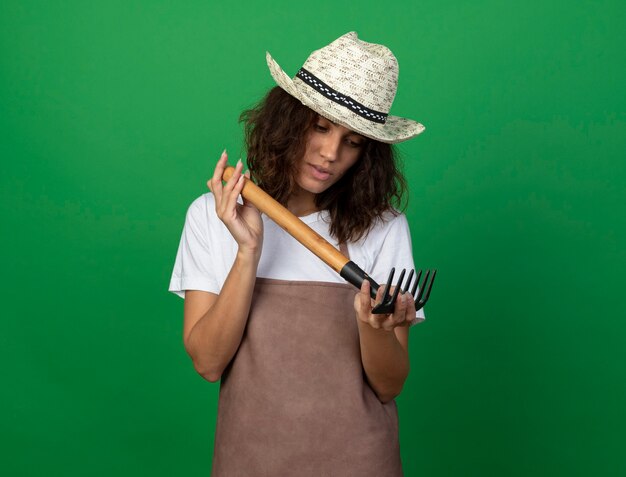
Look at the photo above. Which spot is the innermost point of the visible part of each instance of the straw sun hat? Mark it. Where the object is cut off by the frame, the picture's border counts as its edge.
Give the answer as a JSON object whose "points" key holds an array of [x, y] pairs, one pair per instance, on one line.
{"points": [[352, 83]]}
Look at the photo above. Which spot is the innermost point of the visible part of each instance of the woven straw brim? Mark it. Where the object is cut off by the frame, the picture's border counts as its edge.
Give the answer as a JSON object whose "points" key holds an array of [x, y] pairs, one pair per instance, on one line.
{"points": [[395, 129]]}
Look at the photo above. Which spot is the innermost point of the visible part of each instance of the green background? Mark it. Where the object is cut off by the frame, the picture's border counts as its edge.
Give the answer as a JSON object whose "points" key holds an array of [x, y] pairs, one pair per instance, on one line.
{"points": [[112, 117]]}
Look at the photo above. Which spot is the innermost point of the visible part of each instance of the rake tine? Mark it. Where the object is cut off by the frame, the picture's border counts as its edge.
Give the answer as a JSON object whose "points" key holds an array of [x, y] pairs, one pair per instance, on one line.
{"points": [[388, 286], [398, 287], [423, 287], [430, 285], [408, 282], [417, 281], [425, 291]]}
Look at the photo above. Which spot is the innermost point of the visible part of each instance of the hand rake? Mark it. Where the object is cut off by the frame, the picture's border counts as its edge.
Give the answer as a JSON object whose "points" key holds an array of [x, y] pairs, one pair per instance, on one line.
{"points": [[348, 270]]}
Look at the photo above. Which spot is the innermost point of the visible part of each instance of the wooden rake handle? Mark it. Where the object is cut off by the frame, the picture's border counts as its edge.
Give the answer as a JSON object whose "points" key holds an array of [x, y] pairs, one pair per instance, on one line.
{"points": [[303, 233]]}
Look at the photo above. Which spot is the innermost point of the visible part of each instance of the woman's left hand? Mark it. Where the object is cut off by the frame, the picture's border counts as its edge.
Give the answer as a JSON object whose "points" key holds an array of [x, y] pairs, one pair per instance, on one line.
{"points": [[403, 313]]}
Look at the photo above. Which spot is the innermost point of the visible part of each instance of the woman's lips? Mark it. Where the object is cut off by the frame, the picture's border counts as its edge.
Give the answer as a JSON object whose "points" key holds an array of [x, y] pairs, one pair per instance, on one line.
{"points": [[318, 173]]}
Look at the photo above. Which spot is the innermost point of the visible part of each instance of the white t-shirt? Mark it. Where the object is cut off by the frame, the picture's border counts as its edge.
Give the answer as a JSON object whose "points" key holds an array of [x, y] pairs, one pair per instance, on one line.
{"points": [[207, 251]]}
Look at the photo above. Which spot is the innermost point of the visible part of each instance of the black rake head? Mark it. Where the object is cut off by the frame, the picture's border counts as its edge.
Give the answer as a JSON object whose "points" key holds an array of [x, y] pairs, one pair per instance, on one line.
{"points": [[388, 301]]}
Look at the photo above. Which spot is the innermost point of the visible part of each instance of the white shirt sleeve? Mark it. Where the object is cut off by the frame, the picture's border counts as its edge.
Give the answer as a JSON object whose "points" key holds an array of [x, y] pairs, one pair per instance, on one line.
{"points": [[194, 268], [395, 251]]}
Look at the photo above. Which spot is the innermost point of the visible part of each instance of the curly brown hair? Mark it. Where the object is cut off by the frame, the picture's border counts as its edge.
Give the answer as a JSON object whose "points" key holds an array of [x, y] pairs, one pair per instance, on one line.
{"points": [[276, 139]]}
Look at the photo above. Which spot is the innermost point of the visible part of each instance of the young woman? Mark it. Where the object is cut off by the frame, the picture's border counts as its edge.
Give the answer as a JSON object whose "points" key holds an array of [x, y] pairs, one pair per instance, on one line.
{"points": [[308, 374]]}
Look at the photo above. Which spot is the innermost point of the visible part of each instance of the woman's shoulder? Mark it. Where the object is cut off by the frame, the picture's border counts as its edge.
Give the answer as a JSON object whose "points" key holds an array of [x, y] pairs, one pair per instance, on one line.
{"points": [[391, 227], [390, 221], [202, 207]]}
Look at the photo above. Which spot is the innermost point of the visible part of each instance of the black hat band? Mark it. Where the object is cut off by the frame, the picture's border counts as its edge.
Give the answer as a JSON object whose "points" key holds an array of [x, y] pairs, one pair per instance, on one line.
{"points": [[346, 101]]}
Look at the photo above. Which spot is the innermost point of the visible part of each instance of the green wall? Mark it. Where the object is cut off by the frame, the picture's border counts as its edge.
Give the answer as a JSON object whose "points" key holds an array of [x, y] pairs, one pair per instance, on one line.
{"points": [[112, 115]]}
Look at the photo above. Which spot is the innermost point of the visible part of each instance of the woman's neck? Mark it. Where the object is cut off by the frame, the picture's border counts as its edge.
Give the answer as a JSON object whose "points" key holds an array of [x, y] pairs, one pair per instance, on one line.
{"points": [[302, 203]]}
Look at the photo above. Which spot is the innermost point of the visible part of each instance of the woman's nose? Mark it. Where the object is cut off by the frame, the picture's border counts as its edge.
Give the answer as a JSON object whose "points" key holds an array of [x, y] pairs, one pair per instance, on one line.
{"points": [[330, 147]]}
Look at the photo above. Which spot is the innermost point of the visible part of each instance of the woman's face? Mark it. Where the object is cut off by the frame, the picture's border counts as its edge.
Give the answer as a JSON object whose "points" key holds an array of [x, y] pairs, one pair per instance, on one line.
{"points": [[331, 150]]}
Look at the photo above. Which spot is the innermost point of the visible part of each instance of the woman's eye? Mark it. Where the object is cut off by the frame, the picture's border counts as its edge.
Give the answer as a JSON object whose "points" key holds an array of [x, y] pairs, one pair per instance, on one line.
{"points": [[319, 127], [352, 143]]}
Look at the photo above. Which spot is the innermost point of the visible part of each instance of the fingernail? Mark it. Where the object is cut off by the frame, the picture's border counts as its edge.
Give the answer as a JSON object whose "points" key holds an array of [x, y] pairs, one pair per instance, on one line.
{"points": [[239, 162], [223, 153]]}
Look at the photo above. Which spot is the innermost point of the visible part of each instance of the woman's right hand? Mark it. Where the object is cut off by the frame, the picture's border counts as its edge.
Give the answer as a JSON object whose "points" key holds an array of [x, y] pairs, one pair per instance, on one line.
{"points": [[243, 221]]}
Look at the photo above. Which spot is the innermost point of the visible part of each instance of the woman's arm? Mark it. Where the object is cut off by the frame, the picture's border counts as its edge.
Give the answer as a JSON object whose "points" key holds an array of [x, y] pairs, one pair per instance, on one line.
{"points": [[214, 324], [384, 343]]}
